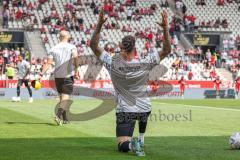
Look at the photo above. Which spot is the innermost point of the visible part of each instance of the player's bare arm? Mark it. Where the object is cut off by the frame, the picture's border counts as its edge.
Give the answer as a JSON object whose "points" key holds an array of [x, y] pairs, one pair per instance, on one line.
{"points": [[75, 63], [166, 38], [94, 43]]}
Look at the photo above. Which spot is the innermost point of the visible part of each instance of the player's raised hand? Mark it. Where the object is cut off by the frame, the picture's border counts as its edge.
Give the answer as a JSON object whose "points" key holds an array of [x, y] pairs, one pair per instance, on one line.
{"points": [[101, 19], [164, 23]]}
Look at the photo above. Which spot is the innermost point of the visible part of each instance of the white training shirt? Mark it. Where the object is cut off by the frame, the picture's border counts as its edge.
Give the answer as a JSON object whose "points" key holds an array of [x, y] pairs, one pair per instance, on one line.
{"points": [[63, 58]]}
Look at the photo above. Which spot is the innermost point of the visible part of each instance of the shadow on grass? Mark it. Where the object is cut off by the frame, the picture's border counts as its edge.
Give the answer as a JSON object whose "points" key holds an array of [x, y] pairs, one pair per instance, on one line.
{"points": [[91, 148], [33, 123]]}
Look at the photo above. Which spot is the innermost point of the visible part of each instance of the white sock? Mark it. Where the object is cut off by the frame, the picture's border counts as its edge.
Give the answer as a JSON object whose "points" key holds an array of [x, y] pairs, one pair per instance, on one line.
{"points": [[130, 146], [141, 137]]}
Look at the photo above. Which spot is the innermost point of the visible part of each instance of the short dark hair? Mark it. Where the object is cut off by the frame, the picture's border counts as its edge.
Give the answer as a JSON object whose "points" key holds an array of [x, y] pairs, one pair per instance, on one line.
{"points": [[128, 43]]}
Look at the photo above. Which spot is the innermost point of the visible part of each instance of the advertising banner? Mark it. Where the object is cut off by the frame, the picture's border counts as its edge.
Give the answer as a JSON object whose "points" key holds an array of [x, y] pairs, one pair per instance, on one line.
{"points": [[11, 37]]}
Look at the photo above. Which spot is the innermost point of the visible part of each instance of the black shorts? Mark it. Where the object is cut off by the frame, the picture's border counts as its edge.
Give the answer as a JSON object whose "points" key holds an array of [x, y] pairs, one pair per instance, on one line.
{"points": [[126, 122], [64, 85], [21, 81]]}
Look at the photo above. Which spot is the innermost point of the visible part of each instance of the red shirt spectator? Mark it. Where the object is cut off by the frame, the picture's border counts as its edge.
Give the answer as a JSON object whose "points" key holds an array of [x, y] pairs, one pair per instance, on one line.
{"points": [[191, 18], [190, 75], [147, 45], [42, 30], [79, 2], [150, 36], [62, 28], [111, 7], [30, 5], [18, 15], [1, 61], [106, 7], [212, 60], [221, 2]]}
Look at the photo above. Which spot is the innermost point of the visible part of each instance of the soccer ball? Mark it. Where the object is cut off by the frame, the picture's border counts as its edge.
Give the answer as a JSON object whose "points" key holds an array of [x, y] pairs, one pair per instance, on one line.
{"points": [[36, 84], [234, 141]]}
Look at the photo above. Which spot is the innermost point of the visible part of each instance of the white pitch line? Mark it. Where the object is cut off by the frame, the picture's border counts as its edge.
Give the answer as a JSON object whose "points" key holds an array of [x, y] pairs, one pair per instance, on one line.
{"points": [[203, 107]]}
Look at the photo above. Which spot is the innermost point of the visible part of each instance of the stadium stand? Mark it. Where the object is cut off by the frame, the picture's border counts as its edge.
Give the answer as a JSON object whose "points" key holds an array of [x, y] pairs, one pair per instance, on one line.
{"points": [[126, 17]]}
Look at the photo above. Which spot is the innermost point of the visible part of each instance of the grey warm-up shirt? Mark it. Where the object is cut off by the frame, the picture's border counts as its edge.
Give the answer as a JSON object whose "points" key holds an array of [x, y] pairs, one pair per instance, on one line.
{"points": [[62, 56], [130, 80], [23, 67]]}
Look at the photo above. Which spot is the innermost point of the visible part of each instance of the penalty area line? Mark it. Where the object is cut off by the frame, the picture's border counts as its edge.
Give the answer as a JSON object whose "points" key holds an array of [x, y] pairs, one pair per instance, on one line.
{"points": [[202, 107]]}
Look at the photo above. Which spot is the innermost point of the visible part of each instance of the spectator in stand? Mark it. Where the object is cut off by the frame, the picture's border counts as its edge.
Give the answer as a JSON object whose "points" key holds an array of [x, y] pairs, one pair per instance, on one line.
{"points": [[231, 43], [1, 62], [200, 2], [129, 14], [150, 36], [225, 23], [177, 30], [18, 14], [217, 23], [10, 71], [175, 41], [213, 74], [164, 4], [42, 30], [190, 75], [6, 16], [213, 60], [225, 44], [221, 2], [179, 5], [238, 42], [134, 3], [93, 4], [45, 39], [147, 45], [158, 40], [208, 55], [224, 58]]}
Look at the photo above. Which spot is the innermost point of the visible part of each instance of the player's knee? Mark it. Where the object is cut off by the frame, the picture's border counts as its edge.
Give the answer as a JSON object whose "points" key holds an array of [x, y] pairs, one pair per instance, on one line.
{"points": [[123, 146]]}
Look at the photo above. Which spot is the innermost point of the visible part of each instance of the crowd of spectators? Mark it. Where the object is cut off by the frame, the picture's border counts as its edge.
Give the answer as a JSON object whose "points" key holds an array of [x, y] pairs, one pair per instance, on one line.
{"points": [[210, 60], [9, 58], [231, 54], [190, 21]]}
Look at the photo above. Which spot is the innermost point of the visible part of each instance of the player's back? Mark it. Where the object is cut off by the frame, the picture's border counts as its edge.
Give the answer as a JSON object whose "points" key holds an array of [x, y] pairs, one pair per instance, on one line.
{"points": [[130, 82], [62, 57]]}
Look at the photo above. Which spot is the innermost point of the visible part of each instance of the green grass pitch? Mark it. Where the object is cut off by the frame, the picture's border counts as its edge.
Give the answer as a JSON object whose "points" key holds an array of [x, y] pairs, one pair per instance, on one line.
{"points": [[27, 132]]}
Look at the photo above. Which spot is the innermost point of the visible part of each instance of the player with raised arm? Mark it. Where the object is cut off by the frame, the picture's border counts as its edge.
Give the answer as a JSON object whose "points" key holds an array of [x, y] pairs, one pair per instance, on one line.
{"points": [[129, 77], [23, 68], [65, 59]]}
